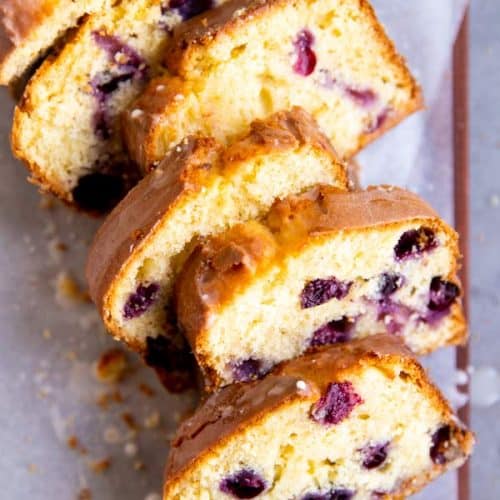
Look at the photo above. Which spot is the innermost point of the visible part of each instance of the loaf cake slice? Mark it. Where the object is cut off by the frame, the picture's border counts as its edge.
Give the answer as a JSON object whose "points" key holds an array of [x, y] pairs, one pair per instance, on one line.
{"points": [[323, 267], [250, 58], [200, 188], [66, 126], [29, 28], [359, 420]]}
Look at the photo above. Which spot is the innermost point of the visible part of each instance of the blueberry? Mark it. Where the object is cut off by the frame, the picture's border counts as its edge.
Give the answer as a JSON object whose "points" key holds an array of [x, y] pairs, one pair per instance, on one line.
{"points": [[98, 192], [335, 494], [440, 442], [319, 291], [186, 8], [415, 242], [337, 403], [248, 369], [243, 484], [306, 58], [374, 455], [141, 300], [173, 361], [333, 332], [378, 122], [442, 294], [389, 283]]}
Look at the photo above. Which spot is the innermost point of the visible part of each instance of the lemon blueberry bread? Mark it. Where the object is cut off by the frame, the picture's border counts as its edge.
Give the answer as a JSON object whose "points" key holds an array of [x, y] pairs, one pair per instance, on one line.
{"points": [[29, 28], [249, 58], [66, 126], [322, 267], [354, 421], [200, 188]]}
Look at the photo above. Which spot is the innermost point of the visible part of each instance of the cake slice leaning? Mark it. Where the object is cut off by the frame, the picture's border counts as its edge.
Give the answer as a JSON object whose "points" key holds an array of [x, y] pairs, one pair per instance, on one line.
{"points": [[322, 267], [66, 126], [354, 421], [249, 58], [200, 188], [29, 28]]}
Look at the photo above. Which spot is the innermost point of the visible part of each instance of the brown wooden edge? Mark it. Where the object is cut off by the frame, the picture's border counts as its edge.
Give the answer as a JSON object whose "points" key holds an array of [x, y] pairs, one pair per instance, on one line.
{"points": [[461, 196]]}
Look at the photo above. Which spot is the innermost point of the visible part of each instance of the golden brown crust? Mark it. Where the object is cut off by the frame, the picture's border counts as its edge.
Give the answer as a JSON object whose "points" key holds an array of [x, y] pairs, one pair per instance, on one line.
{"points": [[18, 19], [222, 265], [239, 406], [143, 134], [138, 216]]}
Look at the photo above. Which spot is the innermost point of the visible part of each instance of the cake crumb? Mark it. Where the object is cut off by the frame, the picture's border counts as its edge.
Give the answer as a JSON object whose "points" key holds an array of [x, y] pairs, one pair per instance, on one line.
{"points": [[112, 435], [84, 494], [68, 291], [74, 444], [130, 421], [111, 366], [47, 334], [105, 399], [152, 421], [32, 468], [146, 389], [139, 465], [100, 466]]}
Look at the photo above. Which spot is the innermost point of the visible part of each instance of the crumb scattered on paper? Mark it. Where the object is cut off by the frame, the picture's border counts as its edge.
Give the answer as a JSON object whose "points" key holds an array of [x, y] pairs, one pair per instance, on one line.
{"points": [[111, 366], [68, 291], [100, 466]]}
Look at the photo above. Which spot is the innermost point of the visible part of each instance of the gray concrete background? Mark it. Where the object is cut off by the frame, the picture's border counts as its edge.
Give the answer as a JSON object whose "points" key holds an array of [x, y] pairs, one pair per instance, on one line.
{"points": [[485, 233]]}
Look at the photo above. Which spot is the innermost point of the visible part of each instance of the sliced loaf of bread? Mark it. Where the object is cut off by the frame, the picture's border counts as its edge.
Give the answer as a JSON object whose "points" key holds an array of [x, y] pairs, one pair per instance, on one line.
{"points": [[249, 58], [323, 267], [358, 421], [200, 188]]}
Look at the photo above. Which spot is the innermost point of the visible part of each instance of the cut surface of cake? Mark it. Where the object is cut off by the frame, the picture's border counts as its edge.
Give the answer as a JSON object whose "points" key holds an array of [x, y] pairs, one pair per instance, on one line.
{"points": [[250, 58], [199, 189], [354, 421], [29, 28], [66, 126], [322, 267]]}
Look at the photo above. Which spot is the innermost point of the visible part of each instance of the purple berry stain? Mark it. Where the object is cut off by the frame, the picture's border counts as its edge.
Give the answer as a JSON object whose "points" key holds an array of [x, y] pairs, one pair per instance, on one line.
{"points": [[127, 65], [334, 332], [374, 455], [186, 8], [335, 494], [362, 97], [243, 484], [306, 58], [141, 300], [440, 442], [378, 122], [393, 314], [415, 242], [389, 283], [248, 369], [319, 291], [337, 403]]}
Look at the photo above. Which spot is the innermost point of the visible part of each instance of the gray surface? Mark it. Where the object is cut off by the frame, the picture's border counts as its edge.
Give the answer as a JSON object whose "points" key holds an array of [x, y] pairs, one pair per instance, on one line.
{"points": [[485, 237]]}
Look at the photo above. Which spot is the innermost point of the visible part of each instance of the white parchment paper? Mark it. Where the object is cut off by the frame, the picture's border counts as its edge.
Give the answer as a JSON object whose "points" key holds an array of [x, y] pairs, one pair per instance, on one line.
{"points": [[47, 390]]}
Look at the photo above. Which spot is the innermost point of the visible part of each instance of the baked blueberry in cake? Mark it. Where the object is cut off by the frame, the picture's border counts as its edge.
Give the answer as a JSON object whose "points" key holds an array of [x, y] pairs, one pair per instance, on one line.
{"points": [[248, 59], [321, 268], [359, 421], [67, 127], [200, 188]]}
